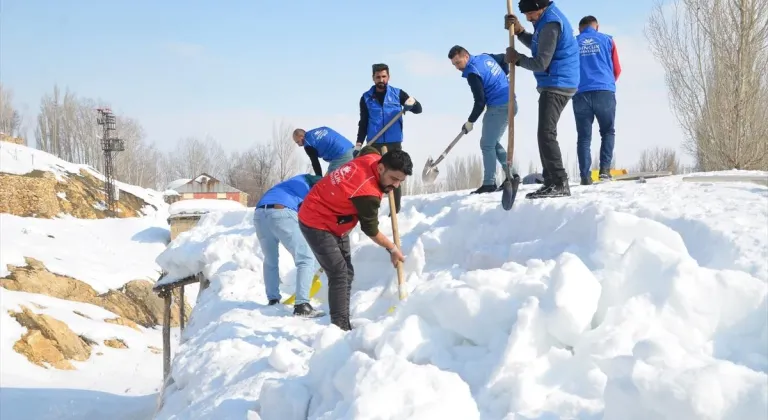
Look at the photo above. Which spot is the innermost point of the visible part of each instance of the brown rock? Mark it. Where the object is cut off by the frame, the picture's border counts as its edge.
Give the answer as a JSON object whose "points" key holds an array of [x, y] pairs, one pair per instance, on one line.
{"points": [[123, 321], [35, 195], [155, 350], [135, 301], [49, 340], [115, 343]]}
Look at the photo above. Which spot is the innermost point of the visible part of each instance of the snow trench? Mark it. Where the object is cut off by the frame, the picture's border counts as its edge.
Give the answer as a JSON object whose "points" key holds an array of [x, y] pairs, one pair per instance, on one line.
{"points": [[607, 305]]}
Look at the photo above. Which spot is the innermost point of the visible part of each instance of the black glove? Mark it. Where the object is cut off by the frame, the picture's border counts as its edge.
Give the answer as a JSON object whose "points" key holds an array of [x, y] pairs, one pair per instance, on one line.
{"points": [[511, 20]]}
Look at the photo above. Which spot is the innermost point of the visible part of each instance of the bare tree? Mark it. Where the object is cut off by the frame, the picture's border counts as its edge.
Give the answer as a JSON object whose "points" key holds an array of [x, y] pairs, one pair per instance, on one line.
{"points": [[253, 171], [284, 150], [715, 54], [10, 118], [464, 172], [657, 160], [193, 156]]}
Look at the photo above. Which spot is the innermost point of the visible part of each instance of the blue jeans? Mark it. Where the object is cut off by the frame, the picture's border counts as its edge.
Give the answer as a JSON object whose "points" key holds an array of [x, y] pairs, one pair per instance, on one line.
{"points": [[495, 121], [587, 106], [276, 226], [344, 158]]}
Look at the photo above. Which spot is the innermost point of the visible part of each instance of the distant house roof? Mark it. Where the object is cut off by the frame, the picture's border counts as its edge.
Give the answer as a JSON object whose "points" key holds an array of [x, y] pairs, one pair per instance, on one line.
{"points": [[177, 183], [205, 183]]}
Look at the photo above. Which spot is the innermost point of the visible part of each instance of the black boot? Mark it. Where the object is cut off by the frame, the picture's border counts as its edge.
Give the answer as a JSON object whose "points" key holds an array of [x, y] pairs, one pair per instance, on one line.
{"points": [[586, 180], [605, 175], [274, 302], [485, 189], [552, 190], [305, 310]]}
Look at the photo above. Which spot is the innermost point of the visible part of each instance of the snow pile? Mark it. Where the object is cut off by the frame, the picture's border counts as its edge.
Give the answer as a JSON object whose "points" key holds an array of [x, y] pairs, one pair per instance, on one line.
{"points": [[19, 160], [203, 205], [625, 301]]}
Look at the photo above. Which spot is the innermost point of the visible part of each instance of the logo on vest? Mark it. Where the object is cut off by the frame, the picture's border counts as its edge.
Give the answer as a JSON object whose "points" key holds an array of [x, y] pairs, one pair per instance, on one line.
{"points": [[589, 47], [320, 133], [342, 174], [493, 66]]}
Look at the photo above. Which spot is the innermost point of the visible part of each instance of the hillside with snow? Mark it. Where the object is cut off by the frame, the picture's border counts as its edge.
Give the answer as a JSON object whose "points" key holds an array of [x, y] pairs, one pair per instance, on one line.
{"points": [[627, 301], [79, 331], [36, 183]]}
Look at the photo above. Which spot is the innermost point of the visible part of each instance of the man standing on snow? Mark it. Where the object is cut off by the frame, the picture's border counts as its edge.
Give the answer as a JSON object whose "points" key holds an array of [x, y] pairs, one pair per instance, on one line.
{"points": [[276, 221], [486, 75], [596, 97], [378, 106], [555, 65], [332, 209], [324, 143]]}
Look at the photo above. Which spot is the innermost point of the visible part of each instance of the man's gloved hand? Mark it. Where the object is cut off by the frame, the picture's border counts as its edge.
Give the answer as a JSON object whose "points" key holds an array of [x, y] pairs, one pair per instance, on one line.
{"points": [[409, 103], [356, 152], [511, 20], [467, 127], [511, 56]]}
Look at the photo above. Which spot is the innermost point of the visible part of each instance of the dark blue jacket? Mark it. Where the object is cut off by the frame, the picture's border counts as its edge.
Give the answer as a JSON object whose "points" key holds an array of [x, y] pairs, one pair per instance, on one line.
{"points": [[564, 70], [328, 143], [597, 66], [379, 116], [289, 193], [494, 77]]}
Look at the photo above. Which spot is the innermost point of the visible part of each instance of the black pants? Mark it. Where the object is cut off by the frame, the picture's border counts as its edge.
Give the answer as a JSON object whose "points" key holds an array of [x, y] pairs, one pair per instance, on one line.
{"points": [[333, 255], [397, 191], [551, 105]]}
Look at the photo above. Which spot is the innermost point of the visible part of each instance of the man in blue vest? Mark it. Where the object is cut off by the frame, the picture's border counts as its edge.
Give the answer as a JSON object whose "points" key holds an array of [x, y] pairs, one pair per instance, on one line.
{"points": [[378, 106], [555, 65], [324, 143], [596, 97], [276, 221], [486, 75]]}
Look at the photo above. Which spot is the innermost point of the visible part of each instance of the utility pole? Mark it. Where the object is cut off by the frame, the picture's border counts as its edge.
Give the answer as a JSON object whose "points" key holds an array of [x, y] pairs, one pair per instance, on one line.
{"points": [[109, 144]]}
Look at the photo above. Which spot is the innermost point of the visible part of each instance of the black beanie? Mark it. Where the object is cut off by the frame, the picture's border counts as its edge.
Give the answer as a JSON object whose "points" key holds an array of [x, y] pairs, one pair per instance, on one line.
{"points": [[532, 5]]}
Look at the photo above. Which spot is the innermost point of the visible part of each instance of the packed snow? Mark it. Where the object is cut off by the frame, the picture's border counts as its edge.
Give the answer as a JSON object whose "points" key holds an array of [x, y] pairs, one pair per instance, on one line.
{"points": [[203, 205], [626, 301]]}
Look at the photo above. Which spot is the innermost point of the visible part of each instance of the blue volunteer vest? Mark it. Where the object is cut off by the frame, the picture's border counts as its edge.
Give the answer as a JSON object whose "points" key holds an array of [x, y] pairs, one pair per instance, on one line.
{"points": [[328, 143], [495, 82], [596, 52], [379, 116], [563, 71], [290, 193]]}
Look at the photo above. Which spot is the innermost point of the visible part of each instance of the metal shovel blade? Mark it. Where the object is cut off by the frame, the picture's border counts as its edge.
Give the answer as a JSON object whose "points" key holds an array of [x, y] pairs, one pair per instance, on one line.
{"points": [[430, 172]]}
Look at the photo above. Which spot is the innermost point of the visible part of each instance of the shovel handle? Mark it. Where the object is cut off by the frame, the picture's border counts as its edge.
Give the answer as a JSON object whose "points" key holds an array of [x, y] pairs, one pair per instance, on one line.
{"points": [[448, 149], [396, 234]]}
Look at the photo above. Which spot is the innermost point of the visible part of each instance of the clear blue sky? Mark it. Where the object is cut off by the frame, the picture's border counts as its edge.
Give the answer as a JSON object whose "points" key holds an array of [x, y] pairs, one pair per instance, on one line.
{"points": [[173, 62]]}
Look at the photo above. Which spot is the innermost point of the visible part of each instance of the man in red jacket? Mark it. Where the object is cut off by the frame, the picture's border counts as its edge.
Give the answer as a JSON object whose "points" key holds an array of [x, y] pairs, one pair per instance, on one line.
{"points": [[346, 195]]}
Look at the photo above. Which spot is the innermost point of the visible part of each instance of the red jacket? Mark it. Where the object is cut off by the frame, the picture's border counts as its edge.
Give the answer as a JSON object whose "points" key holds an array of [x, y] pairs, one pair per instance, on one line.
{"points": [[328, 207]]}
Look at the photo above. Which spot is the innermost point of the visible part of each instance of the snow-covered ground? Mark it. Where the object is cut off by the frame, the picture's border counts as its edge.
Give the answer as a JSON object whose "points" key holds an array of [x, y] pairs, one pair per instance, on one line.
{"points": [[106, 254], [626, 301]]}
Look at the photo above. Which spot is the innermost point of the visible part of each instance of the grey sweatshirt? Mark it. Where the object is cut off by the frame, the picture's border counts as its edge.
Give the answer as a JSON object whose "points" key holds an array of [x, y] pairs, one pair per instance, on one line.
{"points": [[548, 37]]}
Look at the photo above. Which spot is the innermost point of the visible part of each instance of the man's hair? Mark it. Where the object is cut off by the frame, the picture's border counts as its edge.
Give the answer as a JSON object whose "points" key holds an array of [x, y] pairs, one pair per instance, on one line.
{"points": [[587, 20], [379, 67], [298, 131], [456, 50], [397, 160]]}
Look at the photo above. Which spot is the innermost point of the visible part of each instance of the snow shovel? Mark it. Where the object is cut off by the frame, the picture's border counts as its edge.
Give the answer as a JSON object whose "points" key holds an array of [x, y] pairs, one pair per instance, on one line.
{"points": [[312, 290], [396, 234], [430, 172], [512, 181]]}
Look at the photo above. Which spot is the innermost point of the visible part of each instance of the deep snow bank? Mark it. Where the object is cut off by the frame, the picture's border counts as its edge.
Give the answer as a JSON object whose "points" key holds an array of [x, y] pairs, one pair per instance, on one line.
{"points": [[626, 301]]}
